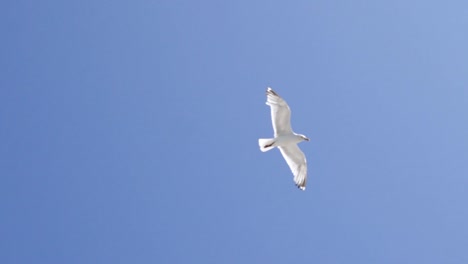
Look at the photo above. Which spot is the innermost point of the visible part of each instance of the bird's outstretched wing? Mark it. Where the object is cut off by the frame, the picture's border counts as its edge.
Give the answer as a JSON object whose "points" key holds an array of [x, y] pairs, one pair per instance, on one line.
{"points": [[297, 163], [280, 113]]}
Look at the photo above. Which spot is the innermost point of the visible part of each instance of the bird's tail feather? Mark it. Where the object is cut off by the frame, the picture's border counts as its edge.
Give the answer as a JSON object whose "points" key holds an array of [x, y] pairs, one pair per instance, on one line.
{"points": [[266, 144]]}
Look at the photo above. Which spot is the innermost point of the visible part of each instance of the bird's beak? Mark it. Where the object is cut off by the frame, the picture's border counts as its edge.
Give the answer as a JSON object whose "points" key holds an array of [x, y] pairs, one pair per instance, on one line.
{"points": [[306, 138]]}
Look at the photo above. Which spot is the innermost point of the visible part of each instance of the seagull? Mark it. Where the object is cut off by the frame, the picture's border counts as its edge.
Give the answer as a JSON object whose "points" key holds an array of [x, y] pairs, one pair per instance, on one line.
{"points": [[285, 139]]}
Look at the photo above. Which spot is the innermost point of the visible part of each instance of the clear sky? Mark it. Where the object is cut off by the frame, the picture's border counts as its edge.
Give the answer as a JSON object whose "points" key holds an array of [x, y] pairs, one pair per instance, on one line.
{"points": [[129, 131]]}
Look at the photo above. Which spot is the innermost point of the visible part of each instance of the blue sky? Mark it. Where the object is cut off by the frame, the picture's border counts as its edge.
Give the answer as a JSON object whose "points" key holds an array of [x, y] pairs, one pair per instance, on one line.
{"points": [[129, 131]]}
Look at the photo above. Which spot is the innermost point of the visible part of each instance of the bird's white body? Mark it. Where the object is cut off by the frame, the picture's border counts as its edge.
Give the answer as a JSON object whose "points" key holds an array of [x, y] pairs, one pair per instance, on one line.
{"points": [[279, 141], [285, 139]]}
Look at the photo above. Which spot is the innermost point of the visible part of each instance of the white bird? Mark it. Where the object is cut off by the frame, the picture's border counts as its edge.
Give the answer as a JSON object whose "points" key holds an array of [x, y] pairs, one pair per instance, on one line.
{"points": [[285, 139]]}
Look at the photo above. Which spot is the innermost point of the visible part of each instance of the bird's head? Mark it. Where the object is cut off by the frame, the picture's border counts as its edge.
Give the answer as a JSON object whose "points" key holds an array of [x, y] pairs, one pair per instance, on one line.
{"points": [[304, 137]]}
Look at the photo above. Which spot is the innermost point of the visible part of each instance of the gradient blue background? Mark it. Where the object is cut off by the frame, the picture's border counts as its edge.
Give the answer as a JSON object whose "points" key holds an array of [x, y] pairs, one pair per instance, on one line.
{"points": [[129, 131]]}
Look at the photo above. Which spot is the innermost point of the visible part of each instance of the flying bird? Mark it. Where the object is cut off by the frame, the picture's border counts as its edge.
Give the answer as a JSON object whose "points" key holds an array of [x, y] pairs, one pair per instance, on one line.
{"points": [[285, 139]]}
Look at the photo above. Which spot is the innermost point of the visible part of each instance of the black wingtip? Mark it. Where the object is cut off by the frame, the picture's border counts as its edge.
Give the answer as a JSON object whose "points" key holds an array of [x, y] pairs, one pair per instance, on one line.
{"points": [[269, 90], [302, 188]]}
